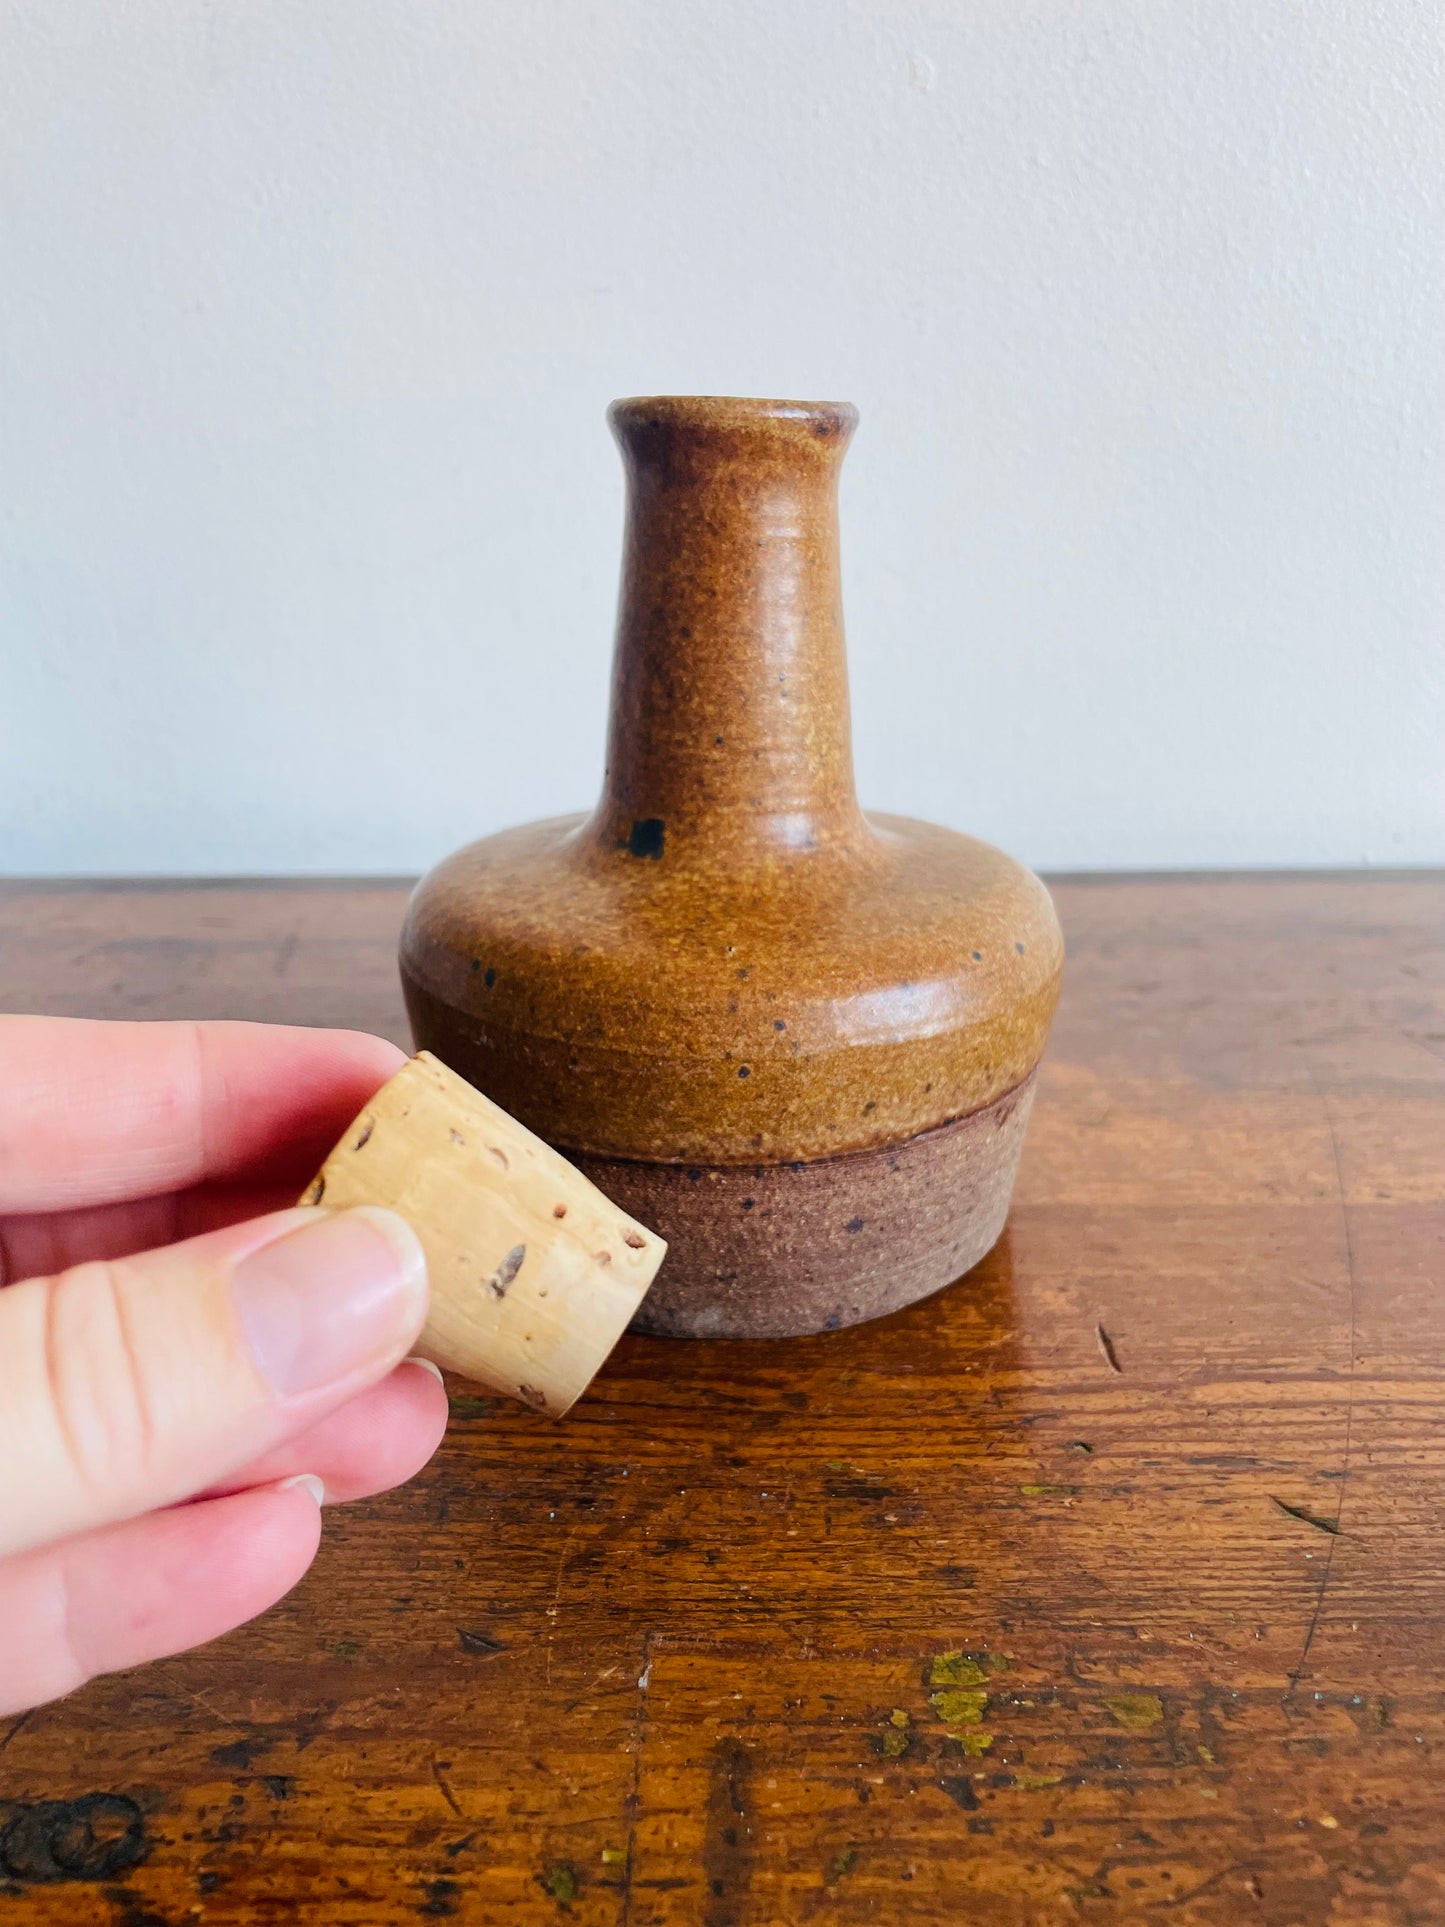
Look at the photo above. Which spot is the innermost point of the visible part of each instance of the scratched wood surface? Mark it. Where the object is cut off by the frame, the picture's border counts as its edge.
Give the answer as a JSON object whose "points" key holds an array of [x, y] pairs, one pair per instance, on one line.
{"points": [[1108, 1585]]}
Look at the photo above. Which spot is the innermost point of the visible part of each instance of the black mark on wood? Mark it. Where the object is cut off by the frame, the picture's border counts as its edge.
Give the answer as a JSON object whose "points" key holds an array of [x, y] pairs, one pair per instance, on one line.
{"points": [[17, 1728], [727, 1853], [1306, 1518], [92, 1838], [478, 1644], [241, 1754], [960, 1791], [443, 1899], [445, 1790]]}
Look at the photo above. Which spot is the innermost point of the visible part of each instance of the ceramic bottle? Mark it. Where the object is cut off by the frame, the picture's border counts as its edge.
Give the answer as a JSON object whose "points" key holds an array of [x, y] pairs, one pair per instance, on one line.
{"points": [[796, 1039]]}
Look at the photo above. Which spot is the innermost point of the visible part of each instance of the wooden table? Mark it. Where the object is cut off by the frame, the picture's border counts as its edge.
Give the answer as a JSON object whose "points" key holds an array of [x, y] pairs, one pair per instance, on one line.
{"points": [[1164, 1475]]}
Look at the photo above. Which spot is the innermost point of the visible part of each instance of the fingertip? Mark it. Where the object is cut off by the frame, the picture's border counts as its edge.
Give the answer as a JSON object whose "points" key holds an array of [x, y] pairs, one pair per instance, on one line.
{"points": [[306, 1482], [427, 1404], [366, 1050], [253, 1547], [246, 1553], [414, 1400]]}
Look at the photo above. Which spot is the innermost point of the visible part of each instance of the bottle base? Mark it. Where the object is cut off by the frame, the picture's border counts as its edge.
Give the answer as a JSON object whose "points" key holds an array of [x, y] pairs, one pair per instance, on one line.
{"points": [[784, 1250]]}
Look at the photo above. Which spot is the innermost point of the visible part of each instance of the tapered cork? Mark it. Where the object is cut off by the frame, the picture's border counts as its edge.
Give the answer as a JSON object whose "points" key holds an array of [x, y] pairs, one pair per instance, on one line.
{"points": [[534, 1273]]}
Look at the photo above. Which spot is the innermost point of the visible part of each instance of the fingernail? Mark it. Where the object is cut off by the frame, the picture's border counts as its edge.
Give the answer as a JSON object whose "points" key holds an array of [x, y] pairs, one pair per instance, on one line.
{"points": [[427, 1366], [308, 1482], [343, 1292]]}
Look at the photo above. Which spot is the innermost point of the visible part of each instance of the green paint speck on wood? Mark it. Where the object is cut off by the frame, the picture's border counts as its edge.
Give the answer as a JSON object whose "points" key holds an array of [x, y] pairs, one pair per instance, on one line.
{"points": [[1137, 1711], [957, 1708], [844, 1863], [614, 1856], [560, 1880], [965, 1669], [466, 1406], [896, 1735]]}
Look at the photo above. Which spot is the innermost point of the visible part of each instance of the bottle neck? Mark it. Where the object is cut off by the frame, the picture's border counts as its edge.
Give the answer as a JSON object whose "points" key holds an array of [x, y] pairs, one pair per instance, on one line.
{"points": [[729, 728]]}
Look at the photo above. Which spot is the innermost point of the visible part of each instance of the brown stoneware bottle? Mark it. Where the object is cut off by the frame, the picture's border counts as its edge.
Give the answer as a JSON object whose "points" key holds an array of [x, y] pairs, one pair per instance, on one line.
{"points": [[797, 1040]]}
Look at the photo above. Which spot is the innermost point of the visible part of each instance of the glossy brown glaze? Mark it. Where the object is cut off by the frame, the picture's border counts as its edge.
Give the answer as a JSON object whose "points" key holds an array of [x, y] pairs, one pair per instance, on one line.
{"points": [[729, 734], [728, 963], [677, 1663], [727, 960], [838, 1006]]}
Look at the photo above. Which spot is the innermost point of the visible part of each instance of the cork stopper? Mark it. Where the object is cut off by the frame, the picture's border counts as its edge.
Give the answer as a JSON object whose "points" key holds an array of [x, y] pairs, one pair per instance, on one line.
{"points": [[534, 1273]]}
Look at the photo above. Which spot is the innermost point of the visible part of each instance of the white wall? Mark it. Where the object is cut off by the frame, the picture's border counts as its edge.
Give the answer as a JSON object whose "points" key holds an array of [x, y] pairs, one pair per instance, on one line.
{"points": [[310, 309]]}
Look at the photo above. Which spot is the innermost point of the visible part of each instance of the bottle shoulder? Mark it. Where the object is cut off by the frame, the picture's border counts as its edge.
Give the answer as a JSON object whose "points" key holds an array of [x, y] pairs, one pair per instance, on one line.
{"points": [[817, 1001]]}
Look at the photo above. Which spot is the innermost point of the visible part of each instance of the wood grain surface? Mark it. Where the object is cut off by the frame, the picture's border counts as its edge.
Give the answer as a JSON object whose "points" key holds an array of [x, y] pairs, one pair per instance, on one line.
{"points": [[1107, 1585]]}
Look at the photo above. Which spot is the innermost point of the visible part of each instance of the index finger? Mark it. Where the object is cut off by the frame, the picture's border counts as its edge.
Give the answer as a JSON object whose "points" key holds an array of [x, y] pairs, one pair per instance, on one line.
{"points": [[94, 1112]]}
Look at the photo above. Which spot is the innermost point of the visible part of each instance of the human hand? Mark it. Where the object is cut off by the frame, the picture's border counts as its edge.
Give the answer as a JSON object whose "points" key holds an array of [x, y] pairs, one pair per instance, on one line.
{"points": [[177, 1348]]}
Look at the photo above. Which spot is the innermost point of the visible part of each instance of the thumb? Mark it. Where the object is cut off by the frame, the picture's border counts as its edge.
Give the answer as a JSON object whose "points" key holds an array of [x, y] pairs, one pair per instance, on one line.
{"points": [[131, 1385]]}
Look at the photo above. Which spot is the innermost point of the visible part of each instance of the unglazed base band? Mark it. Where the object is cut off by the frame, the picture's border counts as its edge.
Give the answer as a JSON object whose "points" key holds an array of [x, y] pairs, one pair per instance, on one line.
{"points": [[779, 1250]]}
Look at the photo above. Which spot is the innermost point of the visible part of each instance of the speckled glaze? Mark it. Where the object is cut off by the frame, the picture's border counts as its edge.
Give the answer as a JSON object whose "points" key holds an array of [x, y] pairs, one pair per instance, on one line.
{"points": [[728, 964], [775, 1250]]}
